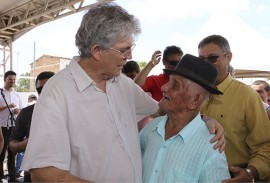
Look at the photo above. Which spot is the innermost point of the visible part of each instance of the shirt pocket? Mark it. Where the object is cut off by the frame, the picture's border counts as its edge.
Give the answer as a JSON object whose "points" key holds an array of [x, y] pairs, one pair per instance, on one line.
{"points": [[178, 176]]}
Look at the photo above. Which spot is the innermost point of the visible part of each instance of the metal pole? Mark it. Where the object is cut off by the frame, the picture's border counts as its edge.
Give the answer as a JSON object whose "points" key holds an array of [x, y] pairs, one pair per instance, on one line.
{"points": [[34, 60], [4, 59], [17, 52], [11, 57], [34, 65]]}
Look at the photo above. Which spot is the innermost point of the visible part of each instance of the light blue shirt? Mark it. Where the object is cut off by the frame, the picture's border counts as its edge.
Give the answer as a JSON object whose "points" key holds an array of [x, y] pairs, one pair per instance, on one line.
{"points": [[185, 157]]}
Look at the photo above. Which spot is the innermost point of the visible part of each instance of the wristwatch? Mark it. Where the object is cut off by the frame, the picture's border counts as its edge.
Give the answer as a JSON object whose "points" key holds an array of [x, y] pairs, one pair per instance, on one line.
{"points": [[252, 180]]}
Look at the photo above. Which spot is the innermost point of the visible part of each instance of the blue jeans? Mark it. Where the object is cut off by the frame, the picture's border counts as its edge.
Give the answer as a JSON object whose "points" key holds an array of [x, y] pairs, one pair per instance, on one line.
{"points": [[19, 159]]}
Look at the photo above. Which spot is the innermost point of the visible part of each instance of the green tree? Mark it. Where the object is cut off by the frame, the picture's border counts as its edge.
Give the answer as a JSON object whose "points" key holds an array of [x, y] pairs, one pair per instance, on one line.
{"points": [[23, 83], [142, 64]]}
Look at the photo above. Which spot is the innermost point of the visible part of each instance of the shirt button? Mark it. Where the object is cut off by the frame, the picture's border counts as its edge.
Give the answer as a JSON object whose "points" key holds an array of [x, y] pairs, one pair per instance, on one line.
{"points": [[164, 147]]}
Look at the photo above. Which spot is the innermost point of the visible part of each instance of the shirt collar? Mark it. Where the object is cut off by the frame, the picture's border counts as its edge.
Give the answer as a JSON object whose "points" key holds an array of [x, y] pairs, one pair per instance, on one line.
{"points": [[81, 78], [187, 132], [160, 128], [225, 83], [190, 129], [12, 89]]}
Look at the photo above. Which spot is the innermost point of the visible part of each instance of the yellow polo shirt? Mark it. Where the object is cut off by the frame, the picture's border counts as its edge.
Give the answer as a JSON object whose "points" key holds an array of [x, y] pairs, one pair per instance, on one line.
{"points": [[246, 125]]}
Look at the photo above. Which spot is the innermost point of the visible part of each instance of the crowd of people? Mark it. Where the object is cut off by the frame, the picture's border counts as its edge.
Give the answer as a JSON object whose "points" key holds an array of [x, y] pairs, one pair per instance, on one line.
{"points": [[196, 122]]}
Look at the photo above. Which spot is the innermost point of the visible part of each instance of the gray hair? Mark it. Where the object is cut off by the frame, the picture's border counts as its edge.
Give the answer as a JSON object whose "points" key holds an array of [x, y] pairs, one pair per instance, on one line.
{"points": [[105, 24], [231, 70], [217, 40], [264, 83]]}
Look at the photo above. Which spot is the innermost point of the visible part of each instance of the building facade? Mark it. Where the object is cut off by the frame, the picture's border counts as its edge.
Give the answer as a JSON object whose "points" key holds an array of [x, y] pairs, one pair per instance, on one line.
{"points": [[47, 63]]}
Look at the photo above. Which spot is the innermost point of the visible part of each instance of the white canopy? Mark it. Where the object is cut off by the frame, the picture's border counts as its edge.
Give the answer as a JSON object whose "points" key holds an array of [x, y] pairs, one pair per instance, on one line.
{"points": [[250, 49]]}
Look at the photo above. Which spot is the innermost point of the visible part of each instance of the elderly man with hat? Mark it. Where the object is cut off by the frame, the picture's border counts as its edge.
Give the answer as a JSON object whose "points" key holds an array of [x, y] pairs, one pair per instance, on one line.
{"points": [[175, 147]]}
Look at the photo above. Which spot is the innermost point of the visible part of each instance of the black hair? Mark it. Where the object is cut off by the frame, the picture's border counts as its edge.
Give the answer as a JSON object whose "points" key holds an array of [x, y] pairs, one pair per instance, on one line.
{"points": [[131, 66], [44, 75], [171, 50], [8, 73]]}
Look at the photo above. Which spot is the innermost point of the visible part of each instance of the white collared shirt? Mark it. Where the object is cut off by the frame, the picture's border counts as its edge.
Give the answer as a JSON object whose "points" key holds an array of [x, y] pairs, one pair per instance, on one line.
{"points": [[11, 97], [92, 134]]}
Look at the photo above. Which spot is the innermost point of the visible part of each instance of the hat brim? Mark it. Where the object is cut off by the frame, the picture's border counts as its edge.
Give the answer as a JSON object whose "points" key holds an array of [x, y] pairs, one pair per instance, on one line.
{"points": [[195, 78]]}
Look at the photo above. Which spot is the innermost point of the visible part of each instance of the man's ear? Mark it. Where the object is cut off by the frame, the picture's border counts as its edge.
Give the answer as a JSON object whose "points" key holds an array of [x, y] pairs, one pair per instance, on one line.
{"points": [[196, 101], [229, 56], [96, 51]]}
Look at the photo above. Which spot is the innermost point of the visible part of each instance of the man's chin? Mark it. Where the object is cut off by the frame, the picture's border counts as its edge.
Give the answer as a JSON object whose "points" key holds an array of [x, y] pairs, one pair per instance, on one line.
{"points": [[161, 105], [116, 74]]}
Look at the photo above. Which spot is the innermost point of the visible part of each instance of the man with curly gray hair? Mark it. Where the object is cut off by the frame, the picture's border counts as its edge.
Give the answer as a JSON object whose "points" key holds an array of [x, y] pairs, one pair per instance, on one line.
{"points": [[84, 126]]}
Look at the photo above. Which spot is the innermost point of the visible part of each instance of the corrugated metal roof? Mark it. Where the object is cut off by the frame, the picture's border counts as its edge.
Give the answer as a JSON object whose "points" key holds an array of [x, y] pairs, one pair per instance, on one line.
{"points": [[19, 16]]}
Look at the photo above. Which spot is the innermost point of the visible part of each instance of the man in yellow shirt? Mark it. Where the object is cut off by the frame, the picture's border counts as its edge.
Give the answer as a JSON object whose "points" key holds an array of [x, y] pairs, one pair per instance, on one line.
{"points": [[242, 115]]}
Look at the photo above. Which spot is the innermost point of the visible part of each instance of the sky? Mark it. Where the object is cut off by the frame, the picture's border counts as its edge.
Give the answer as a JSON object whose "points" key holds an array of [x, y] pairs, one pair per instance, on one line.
{"points": [[245, 23]]}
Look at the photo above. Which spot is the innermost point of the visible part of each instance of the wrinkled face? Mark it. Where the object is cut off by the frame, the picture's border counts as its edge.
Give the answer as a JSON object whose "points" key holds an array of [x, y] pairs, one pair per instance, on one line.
{"points": [[115, 58], [10, 81], [213, 54], [177, 94], [40, 84], [171, 61], [261, 91]]}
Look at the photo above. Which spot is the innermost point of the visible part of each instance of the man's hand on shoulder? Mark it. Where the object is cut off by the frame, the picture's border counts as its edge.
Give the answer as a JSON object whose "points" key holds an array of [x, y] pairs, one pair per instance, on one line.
{"points": [[215, 128]]}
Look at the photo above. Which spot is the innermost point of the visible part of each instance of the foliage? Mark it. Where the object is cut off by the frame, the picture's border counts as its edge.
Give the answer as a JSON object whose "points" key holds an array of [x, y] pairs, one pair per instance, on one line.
{"points": [[23, 83], [142, 64]]}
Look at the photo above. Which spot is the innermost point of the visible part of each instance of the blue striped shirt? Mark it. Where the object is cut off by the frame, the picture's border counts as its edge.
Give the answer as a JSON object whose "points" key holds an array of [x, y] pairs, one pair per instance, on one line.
{"points": [[185, 157]]}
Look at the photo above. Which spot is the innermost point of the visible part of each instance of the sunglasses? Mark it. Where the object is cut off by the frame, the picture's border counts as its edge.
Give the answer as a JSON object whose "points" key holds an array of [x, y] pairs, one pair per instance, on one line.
{"points": [[213, 58], [172, 62]]}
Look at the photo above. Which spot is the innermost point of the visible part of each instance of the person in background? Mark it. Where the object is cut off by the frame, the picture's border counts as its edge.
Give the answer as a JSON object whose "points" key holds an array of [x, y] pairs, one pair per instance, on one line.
{"points": [[131, 69], [84, 125], [7, 120], [19, 156], [20, 134], [241, 113], [263, 89], [175, 147], [32, 99], [1, 140], [152, 84]]}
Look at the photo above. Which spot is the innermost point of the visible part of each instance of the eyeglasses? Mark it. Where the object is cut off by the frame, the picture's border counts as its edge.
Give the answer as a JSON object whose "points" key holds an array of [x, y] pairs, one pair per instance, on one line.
{"points": [[213, 58], [172, 62], [125, 52]]}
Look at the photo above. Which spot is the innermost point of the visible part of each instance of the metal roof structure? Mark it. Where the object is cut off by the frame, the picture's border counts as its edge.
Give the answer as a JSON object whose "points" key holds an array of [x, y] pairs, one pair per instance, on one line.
{"points": [[244, 73], [17, 17]]}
